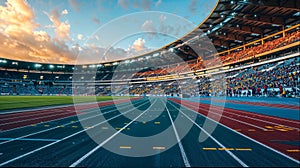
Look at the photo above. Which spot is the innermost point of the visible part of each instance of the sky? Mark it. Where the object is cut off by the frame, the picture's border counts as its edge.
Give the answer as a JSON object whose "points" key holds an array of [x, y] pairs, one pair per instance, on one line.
{"points": [[93, 31]]}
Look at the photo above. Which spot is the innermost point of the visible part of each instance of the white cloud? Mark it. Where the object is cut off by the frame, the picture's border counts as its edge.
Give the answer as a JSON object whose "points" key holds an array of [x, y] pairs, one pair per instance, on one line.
{"points": [[64, 12], [148, 26], [139, 44], [62, 29], [79, 36]]}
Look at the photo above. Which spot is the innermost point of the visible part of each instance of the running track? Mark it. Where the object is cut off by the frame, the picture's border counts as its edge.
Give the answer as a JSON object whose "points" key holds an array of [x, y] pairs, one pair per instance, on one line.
{"points": [[54, 137]]}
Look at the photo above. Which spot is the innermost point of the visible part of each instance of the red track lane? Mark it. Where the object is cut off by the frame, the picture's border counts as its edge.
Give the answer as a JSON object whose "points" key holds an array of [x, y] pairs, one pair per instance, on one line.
{"points": [[286, 106], [20, 119], [270, 137], [20, 115]]}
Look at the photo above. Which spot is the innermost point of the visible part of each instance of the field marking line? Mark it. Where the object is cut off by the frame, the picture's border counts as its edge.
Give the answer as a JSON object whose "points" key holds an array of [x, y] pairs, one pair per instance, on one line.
{"points": [[67, 137], [183, 154], [215, 140], [60, 126], [272, 149], [108, 139]]}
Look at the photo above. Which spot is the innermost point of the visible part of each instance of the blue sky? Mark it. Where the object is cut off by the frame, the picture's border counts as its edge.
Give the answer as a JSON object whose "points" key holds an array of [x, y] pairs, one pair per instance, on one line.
{"points": [[57, 30]]}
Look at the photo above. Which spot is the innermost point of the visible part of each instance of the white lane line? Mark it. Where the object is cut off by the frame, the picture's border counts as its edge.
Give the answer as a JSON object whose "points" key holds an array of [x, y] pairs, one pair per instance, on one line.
{"points": [[269, 122], [67, 137], [29, 139], [54, 107], [217, 114], [52, 120], [272, 149], [39, 112], [32, 119], [125, 105], [247, 113], [183, 154], [108, 139], [47, 116], [215, 140]]}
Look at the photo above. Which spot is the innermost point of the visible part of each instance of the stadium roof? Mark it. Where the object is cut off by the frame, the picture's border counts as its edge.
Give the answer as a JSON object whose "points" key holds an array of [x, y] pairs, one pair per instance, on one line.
{"points": [[234, 23]]}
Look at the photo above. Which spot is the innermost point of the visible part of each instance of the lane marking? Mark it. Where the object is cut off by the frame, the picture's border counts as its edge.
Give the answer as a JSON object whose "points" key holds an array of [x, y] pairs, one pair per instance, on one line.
{"points": [[264, 121], [74, 126], [293, 150], [158, 147], [120, 128], [108, 139], [243, 149], [30, 139], [272, 149], [157, 122], [209, 148], [268, 130], [183, 154], [225, 149], [125, 147], [67, 137], [251, 130], [215, 140], [53, 128]]}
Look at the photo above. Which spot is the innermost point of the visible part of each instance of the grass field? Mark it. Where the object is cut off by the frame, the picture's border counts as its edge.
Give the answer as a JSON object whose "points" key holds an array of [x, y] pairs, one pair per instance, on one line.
{"points": [[14, 102]]}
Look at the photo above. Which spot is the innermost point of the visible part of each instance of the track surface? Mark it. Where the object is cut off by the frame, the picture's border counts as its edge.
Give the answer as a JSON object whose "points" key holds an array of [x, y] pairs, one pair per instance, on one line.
{"points": [[56, 137]]}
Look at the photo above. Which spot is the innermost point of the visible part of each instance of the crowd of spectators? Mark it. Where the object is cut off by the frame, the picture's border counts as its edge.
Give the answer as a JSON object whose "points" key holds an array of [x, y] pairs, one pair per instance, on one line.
{"points": [[274, 79]]}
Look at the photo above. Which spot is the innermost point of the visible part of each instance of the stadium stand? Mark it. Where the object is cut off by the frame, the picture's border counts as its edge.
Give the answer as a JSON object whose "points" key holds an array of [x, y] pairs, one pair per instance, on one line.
{"points": [[258, 56]]}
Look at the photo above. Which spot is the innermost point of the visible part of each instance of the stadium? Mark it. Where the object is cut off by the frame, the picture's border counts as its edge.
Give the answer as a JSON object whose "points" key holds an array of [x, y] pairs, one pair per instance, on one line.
{"points": [[226, 94]]}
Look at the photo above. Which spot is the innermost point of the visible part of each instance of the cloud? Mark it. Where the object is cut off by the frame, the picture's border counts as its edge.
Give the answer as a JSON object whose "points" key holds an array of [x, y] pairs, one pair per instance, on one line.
{"points": [[158, 3], [62, 29], [97, 21], [145, 4], [16, 17], [148, 26], [140, 4], [123, 3], [64, 12], [139, 44], [192, 6], [20, 41], [79, 36], [75, 5]]}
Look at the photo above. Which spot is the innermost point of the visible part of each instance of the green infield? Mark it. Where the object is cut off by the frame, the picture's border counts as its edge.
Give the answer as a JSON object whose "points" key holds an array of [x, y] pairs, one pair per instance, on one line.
{"points": [[15, 102]]}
